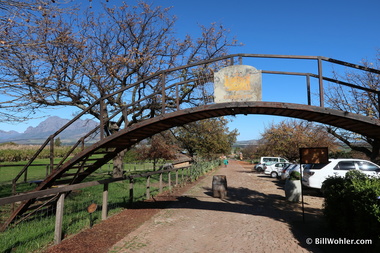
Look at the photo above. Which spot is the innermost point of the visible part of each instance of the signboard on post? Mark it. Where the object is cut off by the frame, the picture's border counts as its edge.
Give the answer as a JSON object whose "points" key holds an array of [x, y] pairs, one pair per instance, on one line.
{"points": [[237, 83], [314, 155], [311, 155]]}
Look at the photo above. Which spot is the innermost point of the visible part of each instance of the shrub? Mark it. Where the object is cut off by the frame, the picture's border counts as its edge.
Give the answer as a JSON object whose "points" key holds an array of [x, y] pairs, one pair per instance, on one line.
{"points": [[352, 205], [294, 175]]}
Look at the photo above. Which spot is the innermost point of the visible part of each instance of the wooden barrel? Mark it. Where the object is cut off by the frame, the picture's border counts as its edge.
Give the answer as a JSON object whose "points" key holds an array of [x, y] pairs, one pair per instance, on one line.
{"points": [[219, 186]]}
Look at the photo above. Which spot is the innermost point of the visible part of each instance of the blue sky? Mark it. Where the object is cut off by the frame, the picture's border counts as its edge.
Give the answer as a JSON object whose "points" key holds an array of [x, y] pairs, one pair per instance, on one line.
{"points": [[342, 29]]}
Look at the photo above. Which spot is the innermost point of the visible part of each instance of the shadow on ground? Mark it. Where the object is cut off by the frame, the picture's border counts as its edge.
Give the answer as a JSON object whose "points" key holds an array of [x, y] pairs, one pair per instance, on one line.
{"points": [[304, 225]]}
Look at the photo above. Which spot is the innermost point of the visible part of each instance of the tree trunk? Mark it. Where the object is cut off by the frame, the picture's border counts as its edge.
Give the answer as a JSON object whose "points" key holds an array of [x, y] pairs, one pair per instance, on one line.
{"points": [[118, 165]]}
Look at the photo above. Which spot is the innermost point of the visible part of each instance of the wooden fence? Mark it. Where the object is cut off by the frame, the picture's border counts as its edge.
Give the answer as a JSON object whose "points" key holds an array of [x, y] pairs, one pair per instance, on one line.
{"points": [[61, 192]]}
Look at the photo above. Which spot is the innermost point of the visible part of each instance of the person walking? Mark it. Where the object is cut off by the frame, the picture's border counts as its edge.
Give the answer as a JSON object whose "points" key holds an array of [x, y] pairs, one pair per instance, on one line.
{"points": [[225, 161]]}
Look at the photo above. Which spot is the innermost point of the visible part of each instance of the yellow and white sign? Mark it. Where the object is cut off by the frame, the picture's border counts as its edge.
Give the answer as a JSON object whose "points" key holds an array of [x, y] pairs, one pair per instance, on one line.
{"points": [[237, 83]]}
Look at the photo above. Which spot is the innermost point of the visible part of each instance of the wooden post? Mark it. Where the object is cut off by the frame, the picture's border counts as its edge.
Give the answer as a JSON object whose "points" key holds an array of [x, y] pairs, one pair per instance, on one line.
{"points": [[160, 190], [13, 193], [320, 78], [131, 190], [176, 178], [51, 154], [148, 187], [308, 89], [169, 181], [26, 175], [105, 202], [58, 219], [82, 143]]}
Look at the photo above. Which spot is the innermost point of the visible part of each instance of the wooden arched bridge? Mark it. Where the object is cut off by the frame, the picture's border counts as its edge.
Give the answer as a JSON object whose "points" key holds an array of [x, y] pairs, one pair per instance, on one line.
{"points": [[178, 96]]}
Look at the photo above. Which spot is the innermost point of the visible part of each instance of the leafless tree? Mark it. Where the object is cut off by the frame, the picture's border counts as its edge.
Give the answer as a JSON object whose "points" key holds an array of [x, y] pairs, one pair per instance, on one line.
{"points": [[359, 102], [54, 56], [15, 13], [67, 59]]}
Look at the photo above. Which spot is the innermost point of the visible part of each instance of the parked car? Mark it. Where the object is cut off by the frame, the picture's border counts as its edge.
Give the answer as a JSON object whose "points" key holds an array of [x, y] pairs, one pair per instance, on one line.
{"points": [[275, 169], [266, 160], [287, 169], [315, 174], [261, 167]]}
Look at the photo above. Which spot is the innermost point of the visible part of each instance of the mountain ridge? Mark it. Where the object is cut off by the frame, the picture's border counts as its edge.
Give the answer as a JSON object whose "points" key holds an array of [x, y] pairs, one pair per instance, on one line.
{"points": [[38, 134]]}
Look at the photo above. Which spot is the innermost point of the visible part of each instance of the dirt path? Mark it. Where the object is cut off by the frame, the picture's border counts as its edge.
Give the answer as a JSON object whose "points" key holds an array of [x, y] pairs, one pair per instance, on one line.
{"points": [[255, 217]]}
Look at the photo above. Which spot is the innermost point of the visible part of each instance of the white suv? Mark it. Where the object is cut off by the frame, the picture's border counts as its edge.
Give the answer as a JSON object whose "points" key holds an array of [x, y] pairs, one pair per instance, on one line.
{"points": [[315, 174]]}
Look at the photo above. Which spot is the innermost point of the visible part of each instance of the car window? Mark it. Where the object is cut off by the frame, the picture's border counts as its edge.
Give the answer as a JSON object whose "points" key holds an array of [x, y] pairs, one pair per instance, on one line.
{"points": [[345, 165], [366, 166], [307, 166], [314, 166], [270, 159], [282, 160], [318, 166]]}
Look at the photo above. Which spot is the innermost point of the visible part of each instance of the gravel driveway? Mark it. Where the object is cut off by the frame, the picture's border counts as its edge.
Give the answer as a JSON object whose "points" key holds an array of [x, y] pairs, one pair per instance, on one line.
{"points": [[255, 217]]}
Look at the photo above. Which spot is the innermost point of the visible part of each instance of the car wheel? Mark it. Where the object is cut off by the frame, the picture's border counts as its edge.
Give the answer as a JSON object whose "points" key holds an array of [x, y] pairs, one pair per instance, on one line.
{"points": [[273, 174]]}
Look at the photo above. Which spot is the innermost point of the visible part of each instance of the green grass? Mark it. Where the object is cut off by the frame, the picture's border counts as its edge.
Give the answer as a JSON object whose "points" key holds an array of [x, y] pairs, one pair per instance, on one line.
{"points": [[32, 235], [35, 172], [37, 234]]}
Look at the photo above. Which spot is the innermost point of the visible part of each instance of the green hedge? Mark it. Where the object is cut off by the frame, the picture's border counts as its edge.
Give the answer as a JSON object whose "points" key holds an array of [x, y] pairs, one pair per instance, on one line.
{"points": [[352, 205]]}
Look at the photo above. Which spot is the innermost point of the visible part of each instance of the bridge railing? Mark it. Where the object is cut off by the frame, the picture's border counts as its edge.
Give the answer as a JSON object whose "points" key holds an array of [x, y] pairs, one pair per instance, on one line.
{"points": [[175, 89]]}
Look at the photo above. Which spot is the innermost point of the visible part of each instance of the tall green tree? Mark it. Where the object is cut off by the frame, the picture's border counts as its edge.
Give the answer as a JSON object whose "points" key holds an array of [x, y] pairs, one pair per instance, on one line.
{"points": [[160, 147], [207, 138], [287, 137]]}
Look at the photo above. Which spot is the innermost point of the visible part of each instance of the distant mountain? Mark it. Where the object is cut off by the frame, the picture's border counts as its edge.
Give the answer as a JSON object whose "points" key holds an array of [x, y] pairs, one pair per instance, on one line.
{"points": [[243, 144], [38, 134], [8, 134]]}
